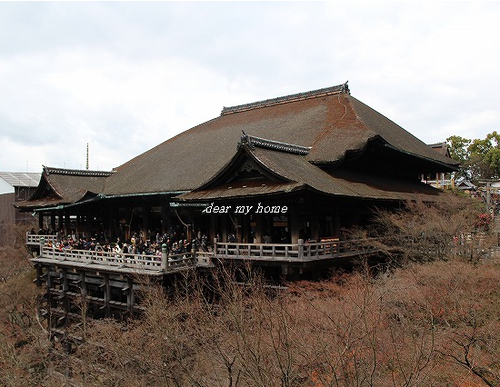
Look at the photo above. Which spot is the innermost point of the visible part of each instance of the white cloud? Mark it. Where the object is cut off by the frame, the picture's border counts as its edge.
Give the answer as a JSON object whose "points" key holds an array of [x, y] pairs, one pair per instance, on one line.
{"points": [[125, 77]]}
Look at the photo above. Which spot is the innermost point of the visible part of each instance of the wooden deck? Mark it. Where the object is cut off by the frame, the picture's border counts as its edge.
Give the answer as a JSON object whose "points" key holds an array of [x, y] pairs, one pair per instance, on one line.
{"points": [[170, 263], [110, 282]]}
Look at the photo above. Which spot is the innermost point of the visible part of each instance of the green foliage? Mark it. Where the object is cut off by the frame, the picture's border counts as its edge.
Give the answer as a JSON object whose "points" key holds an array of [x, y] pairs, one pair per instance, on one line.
{"points": [[479, 158], [459, 148]]}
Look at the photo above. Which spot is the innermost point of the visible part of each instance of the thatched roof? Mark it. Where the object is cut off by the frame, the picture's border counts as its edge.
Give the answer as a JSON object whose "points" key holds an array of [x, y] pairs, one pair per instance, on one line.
{"points": [[308, 141], [329, 121]]}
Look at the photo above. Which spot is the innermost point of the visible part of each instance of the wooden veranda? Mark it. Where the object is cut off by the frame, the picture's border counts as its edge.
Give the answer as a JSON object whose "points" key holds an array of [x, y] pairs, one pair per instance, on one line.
{"points": [[109, 282]]}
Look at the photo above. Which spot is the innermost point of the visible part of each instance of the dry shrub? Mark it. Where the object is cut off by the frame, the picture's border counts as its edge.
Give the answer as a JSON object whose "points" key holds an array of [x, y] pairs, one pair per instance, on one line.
{"points": [[434, 324], [414, 328], [423, 232], [419, 325], [23, 341], [456, 304]]}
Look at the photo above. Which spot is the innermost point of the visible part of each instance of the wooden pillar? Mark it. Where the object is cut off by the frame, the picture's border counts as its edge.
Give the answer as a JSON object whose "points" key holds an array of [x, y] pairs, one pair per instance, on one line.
{"points": [[259, 227], [146, 212], [314, 224], [60, 222], [88, 224], [48, 285], [65, 289], [212, 231], [77, 225], [129, 215], [293, 222], [240, 232], [130, 295], [53, 221], [111, 225], [223, 236], [40, 221], [83, 285], [67, 223], [39, 274], [107, 295], [165, 220], [336, 223]]}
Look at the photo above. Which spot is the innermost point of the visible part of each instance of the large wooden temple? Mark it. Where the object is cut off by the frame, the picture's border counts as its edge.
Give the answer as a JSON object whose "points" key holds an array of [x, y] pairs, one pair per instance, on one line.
{"points": [[260, 181]]}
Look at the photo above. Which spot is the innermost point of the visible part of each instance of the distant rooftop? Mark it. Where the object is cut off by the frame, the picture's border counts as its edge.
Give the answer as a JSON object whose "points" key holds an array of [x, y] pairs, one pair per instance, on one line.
{"points": [[21, 179], [76, 172], [344, 88]]}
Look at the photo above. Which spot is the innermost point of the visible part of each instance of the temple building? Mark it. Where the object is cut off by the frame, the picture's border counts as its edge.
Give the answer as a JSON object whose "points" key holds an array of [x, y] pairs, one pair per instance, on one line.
{"points": [[313, 163], [276, 183]]}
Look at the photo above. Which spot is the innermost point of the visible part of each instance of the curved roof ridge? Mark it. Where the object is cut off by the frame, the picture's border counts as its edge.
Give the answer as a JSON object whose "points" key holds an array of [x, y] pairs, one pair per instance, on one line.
{"points": [[76, 172], [343, 88], [260, 142]]}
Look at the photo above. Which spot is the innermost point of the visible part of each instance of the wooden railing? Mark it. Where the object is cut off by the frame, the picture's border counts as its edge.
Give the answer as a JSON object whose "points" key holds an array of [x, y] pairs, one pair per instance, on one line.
{"points": [[272, 252], [37, 239], [300, 252], [140, 262]]}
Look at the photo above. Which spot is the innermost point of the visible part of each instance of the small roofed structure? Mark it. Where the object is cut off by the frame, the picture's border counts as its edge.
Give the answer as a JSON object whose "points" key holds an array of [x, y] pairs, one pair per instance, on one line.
{"points": [[60, 188], [15, 187], [441, 148], [441, 179]]}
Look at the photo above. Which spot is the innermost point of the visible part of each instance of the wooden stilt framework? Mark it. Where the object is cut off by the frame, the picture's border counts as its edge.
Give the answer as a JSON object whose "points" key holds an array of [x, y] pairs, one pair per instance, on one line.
{"points": [[72, 294]]}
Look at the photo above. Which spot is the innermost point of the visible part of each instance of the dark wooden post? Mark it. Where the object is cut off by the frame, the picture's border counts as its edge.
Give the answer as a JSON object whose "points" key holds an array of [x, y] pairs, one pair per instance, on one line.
{"points": [[83, 285], [107, 295], [314, 224], [259, 227], [165, 220], [293, 222], [88, 224], [146, 212], [53, 221], [40, 221], [130, 295], [67, 223], [300, 254]]}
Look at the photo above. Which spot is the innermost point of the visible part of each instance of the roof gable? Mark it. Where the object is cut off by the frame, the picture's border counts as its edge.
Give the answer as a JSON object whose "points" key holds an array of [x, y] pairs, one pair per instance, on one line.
{"points": [[65, 186], [246, 167], [289, 171]]}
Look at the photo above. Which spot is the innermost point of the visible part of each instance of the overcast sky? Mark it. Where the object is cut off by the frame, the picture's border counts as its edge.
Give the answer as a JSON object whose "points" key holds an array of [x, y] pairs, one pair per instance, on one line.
{"points": [[126, 76]]}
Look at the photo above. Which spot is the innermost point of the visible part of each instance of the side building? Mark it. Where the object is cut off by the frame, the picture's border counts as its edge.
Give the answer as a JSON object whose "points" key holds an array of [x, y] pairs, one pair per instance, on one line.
{"points": [[16, 187]]}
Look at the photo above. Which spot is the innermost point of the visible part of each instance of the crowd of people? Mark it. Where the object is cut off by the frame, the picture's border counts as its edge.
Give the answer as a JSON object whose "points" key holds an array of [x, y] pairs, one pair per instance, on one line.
{"points": [[139, 243]]}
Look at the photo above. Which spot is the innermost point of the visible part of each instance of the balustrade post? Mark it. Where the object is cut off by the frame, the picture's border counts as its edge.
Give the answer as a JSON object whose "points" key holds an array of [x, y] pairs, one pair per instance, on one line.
{"points": [[164, 257], [215, 246], [300, 254]]}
